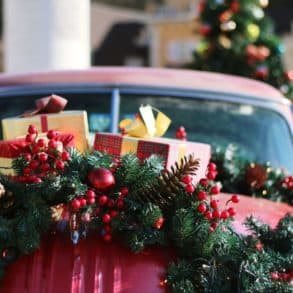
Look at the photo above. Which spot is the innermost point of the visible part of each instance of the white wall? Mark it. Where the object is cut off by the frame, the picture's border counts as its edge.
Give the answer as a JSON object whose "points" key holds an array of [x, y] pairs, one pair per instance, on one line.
{"points": [[46, 35]]}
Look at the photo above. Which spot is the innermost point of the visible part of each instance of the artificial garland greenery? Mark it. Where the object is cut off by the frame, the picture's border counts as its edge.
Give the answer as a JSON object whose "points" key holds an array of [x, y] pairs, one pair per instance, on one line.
{"points": [[140, 204], [238, 175]]}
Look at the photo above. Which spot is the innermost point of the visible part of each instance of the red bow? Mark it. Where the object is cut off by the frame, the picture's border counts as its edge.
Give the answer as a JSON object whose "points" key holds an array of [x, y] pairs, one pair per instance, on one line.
{"points": [[46, 105]]}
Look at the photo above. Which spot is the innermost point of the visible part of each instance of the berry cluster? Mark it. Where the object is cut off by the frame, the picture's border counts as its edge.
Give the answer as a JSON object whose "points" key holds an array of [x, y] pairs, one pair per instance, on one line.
{"points": [[205, 192], [181, 133], [287, 182], [98, 202], [159, 223], [282, 276], [44, 156]]}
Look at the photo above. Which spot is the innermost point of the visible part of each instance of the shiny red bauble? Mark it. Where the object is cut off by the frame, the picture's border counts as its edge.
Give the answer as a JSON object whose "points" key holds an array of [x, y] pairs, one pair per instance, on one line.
{"points": [[102, 179]]}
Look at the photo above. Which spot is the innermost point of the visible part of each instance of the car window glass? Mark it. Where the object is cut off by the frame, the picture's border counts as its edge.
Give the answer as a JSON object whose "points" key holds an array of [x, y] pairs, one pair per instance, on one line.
{"points": [[261, 135]]}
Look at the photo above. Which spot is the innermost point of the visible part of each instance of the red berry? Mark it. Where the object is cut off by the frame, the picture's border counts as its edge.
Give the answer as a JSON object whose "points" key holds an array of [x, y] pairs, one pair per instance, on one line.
{"points": [[45, 167], [189, 188], [204, 182], [34, 164], [82, 202], [215, 225], [202, 195], [120, 204], [97, 211], [59, 165], [43, 157], [225, 215], [110, 203], [215, 189], [41, 143], [51, 134], [65, 156], [27, 157], [212, 175], [27, 170], [107, 237], [209, 215], [75, 204], [106, 218], [187, 179], [274, 276], [107, 229], [202, 208], [35, 149], [113, 213], [235, 198], [30, 138], [212, 166], [91, 200], [32, 129], [52, 144], [124, 191], [90, 193], [159, 223], [181, 129], [214, 204], [232, 211], [216, 214], [37, 180], [103, 200]]}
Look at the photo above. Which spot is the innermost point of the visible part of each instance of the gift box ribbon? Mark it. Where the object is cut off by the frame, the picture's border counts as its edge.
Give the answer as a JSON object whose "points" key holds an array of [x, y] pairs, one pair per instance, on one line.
{"points": [[146, 125], [44, 106]]}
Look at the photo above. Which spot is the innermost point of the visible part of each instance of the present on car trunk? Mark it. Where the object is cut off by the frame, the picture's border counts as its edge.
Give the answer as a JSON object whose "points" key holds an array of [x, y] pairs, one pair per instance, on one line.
{"points": [[171, 150], [143, 139], [49, 115], [12, 149]]}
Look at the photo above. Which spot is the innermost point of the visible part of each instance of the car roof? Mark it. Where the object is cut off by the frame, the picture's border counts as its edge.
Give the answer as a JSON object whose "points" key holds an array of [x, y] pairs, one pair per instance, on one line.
{"points": [[151, 77]]}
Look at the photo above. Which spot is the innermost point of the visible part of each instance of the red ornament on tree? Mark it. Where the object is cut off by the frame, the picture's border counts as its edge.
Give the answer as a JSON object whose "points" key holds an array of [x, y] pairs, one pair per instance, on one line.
{"points": [[102, 179]]}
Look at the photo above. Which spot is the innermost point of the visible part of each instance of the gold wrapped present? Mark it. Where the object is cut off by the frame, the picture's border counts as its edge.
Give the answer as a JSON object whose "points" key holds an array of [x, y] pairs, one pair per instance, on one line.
{"points": [[74, 122]]}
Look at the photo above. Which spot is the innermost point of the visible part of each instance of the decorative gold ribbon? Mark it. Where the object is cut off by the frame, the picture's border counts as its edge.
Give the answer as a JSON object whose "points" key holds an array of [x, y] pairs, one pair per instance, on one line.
{"points": [[146, 125]]}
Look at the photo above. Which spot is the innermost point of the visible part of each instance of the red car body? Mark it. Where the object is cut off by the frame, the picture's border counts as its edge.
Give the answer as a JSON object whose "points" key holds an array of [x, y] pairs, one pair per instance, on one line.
{"points": [[85, 270]]}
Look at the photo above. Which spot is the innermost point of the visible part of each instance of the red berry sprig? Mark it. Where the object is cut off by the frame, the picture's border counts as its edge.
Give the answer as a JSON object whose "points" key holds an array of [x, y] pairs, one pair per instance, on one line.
{"points": [[209, 206], [181, 133], [43, 156], [285, 276]]}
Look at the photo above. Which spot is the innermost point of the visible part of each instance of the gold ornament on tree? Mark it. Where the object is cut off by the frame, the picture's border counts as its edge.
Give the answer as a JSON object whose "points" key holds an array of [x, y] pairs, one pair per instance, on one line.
{"points": [[225, 42], [252, 31]]}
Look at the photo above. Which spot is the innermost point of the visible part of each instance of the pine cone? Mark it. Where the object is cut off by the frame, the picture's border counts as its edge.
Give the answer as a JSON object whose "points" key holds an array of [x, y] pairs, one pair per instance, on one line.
{"points": [[163, 192]]}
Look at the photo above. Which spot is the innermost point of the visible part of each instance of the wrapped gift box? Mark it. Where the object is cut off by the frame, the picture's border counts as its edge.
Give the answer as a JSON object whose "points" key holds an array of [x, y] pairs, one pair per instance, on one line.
{"points": [[11, 149], [171, 150], [74, 122]]}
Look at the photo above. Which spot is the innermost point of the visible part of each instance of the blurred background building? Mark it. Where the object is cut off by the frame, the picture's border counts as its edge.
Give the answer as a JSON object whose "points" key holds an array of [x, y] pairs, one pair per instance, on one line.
{"points": [[122, 32]]}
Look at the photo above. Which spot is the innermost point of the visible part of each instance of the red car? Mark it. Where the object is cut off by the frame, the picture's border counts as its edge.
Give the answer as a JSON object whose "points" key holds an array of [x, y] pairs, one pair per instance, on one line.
{"points": [[214, 108]]}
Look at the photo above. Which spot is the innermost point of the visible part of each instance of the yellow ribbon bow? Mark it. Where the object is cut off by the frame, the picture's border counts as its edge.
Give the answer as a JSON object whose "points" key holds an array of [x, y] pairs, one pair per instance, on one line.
{"points": [[146, 125]]}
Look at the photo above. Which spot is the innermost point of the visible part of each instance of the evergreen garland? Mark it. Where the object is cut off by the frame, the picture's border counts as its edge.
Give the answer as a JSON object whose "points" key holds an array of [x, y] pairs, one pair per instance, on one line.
{"points": [[251, 178], [147, 206]]}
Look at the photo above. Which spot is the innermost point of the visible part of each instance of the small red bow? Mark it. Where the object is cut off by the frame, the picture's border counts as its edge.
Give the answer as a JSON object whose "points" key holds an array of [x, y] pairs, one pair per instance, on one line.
{"points": [[46, 105]]}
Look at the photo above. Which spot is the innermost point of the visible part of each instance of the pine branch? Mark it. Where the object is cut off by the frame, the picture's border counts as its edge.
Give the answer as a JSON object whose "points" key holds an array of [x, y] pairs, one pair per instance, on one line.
{"points": [[163, 191]]}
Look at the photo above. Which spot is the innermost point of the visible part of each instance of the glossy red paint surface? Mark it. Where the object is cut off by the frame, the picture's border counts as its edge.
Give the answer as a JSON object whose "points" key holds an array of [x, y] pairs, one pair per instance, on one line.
{"points": [[95, 267]]}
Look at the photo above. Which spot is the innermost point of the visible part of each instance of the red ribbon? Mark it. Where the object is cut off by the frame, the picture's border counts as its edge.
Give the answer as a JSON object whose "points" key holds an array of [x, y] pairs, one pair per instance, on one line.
{"points": [[47, 105]]}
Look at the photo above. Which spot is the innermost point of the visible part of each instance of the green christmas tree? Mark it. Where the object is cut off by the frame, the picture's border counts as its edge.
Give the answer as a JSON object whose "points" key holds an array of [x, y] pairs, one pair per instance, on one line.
{"points": [[238, 38]]}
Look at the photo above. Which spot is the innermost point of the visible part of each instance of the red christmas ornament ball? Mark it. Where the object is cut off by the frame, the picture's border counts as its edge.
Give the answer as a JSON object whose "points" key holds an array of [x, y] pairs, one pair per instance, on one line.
{"points": [[102, 179]]}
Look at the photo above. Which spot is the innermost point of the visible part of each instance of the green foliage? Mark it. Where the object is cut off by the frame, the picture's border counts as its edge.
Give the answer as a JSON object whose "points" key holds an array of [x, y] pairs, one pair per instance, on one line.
{"points": [[231, 27], [232, 171], [207, 260]]}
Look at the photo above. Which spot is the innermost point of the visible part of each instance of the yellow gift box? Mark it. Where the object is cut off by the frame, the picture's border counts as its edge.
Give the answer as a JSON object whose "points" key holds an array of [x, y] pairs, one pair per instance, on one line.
{"points": [[74, 122]]}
